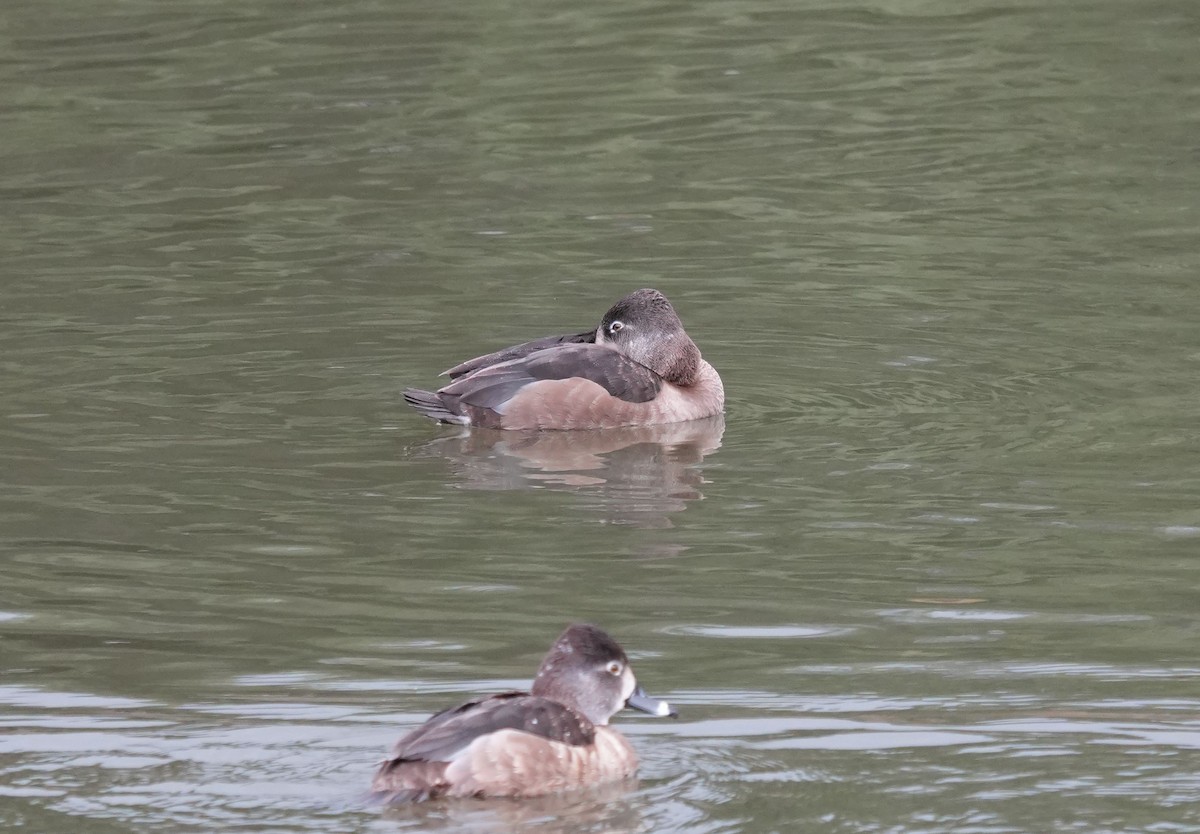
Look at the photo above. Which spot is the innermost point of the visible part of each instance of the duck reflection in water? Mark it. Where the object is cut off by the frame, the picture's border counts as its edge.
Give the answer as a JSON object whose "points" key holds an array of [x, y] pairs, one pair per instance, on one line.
{"points": [[603, 810], [636, 475]]}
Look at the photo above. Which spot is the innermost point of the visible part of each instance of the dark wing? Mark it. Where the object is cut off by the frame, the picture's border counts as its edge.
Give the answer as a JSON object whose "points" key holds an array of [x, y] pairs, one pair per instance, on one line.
{"points": [[450, 731], [493, 386], [517, 351]]}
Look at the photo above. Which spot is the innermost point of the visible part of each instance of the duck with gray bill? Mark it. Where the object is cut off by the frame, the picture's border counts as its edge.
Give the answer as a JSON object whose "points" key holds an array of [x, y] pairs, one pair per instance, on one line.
{"points": [[519, 744], [638, 367]]}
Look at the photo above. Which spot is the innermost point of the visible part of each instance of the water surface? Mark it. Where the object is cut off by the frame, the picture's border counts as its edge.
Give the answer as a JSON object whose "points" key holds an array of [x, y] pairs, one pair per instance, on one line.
{"points": [[936, 571]]}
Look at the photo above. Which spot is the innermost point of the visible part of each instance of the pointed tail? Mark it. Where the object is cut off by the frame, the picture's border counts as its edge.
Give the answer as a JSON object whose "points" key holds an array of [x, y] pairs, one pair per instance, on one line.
{"points": [[431, 405]]}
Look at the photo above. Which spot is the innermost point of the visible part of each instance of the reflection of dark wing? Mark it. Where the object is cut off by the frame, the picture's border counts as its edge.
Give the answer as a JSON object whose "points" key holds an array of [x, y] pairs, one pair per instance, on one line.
{"points": [[448, 732], [517, 351], [493, 386]]}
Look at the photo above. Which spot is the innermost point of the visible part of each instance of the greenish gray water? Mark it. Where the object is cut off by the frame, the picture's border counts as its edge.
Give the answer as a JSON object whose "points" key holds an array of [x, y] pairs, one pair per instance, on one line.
{"points": [[938, 570]]}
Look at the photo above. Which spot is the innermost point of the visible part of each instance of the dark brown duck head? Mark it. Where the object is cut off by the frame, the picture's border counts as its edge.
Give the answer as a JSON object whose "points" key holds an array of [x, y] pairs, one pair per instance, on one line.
{"points": [[645, 327], [588, 671]]}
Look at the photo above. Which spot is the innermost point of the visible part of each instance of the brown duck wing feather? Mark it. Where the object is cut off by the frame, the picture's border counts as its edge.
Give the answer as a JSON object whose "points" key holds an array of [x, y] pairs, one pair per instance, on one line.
{"points": [[451, 731], [619, 375], [517, 352], [417, 769]]}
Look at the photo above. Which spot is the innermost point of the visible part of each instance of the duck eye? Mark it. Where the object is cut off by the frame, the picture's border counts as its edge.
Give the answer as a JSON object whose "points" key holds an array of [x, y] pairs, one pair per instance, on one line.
{"points": [[615, 326], [614, 668]]}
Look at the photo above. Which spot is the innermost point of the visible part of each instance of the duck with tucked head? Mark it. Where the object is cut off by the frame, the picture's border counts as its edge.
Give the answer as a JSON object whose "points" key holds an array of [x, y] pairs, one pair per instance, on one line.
{"points": [[519, 744], [638, 368]]}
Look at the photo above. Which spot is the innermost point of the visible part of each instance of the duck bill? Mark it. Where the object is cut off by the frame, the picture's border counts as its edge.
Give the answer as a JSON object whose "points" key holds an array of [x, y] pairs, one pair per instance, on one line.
{"points": [[642, 702]]}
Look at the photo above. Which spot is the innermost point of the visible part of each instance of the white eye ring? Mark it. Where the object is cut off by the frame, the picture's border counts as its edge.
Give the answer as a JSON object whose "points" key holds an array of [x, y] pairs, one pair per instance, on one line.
{"points": [[613, 327], [614, 668]]}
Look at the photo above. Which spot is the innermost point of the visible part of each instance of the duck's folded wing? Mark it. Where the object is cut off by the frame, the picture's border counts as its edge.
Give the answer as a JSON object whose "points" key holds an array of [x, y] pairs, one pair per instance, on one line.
{"points": [[518, 351], [494, 386], [449, 732]]}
